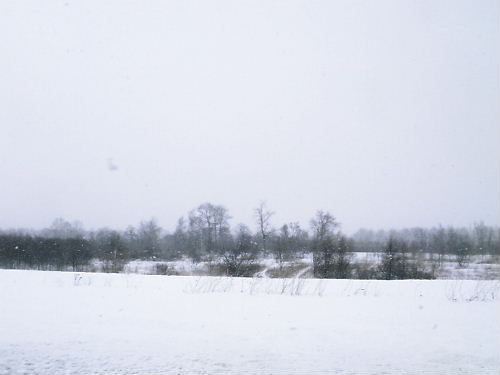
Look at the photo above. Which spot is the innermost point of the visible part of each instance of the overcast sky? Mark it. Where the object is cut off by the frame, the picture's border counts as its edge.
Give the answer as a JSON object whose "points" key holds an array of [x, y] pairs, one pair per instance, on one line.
{"points": [[385, 113]]}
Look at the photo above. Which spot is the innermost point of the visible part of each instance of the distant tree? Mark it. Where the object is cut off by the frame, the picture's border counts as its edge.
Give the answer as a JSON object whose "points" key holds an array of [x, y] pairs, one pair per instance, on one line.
{"points": [[179, 239], [263, 217], [282, 246], [458, 242], [209, 228], [62, 228], [418, 241], [148, 238], [342, 257], [299, 238], [288, 243], [26, 251], [483, 239], [112, 250], [393, 265], [131, 239], [495, 243], [77, 252], [239, 258], [221, 231], [439, 243], [324, 226]]}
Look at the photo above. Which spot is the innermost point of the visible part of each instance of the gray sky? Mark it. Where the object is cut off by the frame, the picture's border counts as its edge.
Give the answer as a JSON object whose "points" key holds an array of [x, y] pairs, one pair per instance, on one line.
{"points": [[386, 113]]}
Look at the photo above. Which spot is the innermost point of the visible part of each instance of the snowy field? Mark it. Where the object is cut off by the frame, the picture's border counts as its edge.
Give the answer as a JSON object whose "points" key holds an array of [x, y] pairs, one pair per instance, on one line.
{"points": [[88, 323], [477, 268]]}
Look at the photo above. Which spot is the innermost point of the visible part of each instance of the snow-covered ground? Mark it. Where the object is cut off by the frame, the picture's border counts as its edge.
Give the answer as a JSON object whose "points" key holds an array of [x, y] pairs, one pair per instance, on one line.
{"points": [[477, 268], [87, 323]]}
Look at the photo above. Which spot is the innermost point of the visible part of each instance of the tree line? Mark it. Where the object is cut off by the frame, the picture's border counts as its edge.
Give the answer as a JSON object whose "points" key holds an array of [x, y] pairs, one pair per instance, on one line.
{"points": [[205, 234]]}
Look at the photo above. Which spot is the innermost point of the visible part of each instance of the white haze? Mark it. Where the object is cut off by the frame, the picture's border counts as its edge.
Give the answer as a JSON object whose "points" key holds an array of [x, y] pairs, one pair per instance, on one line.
{"points": [[386, 113]]}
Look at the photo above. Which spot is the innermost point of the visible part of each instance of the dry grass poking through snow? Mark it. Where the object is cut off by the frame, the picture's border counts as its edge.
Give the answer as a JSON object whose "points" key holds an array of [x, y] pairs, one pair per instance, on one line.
{"points": [[67, 323]]}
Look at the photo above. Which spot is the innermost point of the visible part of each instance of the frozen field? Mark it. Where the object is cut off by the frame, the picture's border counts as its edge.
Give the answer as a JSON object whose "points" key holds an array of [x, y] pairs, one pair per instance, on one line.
{"points": [[66, 323]]}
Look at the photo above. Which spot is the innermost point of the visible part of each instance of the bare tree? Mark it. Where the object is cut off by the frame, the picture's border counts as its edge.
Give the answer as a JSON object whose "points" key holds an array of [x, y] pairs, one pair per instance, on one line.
{"points": [[263, 216], [342, 258], [394, 263], [459, 243], [282, 246], [148, 238], [299, 238], [111, 250], [483, 239], [288, 243], [324, 227], [62, 228], [180, 237], [209, 227], [239, 258]]}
